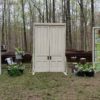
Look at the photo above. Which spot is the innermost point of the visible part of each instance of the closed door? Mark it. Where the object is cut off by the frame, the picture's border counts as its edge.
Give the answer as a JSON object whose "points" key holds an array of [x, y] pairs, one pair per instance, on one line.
{"points": [[57, 48], [41, 49], [49, 49]]}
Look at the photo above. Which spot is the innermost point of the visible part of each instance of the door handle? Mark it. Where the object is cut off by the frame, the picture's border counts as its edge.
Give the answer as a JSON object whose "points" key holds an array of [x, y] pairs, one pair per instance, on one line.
{"points": [[50, 57]]}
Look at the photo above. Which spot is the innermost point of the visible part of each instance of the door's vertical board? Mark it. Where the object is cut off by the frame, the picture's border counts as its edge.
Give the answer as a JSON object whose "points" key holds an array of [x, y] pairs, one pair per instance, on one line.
{"points": [[57, 39], [0, 58], [41, 41], [41, 49], [57, 48]]}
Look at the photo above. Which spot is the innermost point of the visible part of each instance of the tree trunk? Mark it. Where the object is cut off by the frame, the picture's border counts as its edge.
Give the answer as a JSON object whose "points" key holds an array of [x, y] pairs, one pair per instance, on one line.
{"points": [[43, 19], [92, 13], [31, 26], [62, 10], [47, 11], [3, 22], [50, 11], [67, 31], [68, 26], [53, 11], [24, 28], [82, 24], [9, 27], [69, 23]]}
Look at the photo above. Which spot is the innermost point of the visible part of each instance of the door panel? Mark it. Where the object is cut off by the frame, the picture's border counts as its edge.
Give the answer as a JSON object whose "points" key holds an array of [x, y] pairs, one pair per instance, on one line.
{"points": [[42, 64], [57, 64], [41, 49], [57, 48]]}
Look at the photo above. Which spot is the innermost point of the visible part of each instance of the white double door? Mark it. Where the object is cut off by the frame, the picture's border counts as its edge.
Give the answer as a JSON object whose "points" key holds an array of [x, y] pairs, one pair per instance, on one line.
{"points": [[49, 49]]}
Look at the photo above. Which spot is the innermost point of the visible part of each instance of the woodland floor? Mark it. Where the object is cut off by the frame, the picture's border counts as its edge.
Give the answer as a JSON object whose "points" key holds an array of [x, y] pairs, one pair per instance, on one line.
{"points": [[49, 86]]}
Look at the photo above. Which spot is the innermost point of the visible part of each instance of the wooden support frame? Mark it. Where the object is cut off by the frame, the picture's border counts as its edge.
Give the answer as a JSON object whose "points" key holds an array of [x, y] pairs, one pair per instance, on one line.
{"points": [[0, 58], [33, 58], [94, 48]]}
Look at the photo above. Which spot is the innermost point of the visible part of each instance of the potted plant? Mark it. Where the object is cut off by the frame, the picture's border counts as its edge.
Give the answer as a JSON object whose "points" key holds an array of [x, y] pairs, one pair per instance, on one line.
{"points": [[85, 69], [89, 71], [18, 54], [16, 69]]}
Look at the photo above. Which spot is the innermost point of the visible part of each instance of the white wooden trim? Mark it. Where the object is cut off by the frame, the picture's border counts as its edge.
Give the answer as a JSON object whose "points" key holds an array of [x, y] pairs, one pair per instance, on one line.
{"points": [[49, 24], [66, 68], [96, 27], [33, 54], [46, 24], [0, 58], [93, 46]]}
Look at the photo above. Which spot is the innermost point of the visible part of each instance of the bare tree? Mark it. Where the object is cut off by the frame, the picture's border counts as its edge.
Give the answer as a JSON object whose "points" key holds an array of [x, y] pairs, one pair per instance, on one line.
{"points": [[9, 25], [31, 24], [92, 13], [62, 10], [47, 11], [50, 11], [68, 26], [3, 21], [82, 23], [24, 27], [54, 11], [41, 16], [69, 23]]}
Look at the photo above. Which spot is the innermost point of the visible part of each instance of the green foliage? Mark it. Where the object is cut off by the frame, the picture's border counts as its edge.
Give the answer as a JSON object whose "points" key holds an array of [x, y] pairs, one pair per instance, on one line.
{"points": [[85, 67], [15, 69], [19, 51]]}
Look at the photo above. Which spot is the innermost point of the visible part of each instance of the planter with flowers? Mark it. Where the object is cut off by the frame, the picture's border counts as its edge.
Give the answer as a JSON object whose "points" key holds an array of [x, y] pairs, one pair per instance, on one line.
{"points": [[85, 69]]}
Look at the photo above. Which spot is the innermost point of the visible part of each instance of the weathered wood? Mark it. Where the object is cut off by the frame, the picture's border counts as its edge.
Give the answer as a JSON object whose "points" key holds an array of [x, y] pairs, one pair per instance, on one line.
{"points": [[49, 47], [78, 55]]}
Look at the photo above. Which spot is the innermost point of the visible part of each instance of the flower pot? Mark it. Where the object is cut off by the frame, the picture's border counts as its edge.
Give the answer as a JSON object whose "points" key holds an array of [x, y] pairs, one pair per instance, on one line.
{"points": [[86, 73], [89, 73], [80, 73]]}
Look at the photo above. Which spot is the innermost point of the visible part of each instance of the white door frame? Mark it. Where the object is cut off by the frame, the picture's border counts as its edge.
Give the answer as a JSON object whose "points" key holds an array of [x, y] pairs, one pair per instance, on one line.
{"points": [[0, 58], [45, 24], [93, 46]]}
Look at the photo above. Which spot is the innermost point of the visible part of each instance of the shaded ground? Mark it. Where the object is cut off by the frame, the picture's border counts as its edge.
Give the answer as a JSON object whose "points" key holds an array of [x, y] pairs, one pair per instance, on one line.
{"points": [[49, 86]]}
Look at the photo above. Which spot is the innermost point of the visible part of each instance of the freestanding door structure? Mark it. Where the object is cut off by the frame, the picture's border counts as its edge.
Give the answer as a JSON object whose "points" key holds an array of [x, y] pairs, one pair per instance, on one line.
{"points": [[96, 48], [0, 59], [49, 48]]}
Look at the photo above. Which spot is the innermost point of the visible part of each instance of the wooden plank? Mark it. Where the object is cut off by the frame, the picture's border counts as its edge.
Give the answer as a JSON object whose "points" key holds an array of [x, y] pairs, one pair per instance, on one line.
{"points": [[49, 24], [57, 48], [0, 60], [41, 49]]}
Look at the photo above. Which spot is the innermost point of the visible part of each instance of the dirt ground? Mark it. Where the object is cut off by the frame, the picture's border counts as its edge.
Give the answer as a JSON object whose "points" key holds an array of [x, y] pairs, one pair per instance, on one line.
{"points": [[49, 86]]}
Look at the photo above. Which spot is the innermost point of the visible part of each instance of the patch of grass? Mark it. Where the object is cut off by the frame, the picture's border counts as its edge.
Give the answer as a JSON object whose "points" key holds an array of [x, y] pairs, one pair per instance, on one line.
{"points": [[48, 86]]}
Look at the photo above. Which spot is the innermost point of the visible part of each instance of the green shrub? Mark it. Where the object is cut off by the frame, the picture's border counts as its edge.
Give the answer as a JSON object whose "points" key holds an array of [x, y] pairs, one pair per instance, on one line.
{"points": [[85, 67], [15, 69]]}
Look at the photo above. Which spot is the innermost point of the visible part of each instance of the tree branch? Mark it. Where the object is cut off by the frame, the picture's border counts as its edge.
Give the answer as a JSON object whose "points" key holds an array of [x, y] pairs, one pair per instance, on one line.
{"points": [[38, 9]]}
